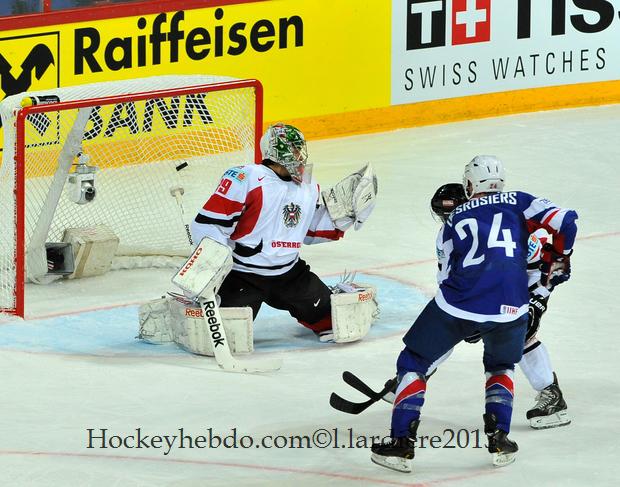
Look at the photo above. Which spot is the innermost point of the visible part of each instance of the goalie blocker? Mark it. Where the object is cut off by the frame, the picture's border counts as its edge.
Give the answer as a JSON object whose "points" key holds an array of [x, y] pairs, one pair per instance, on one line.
{"points": [[182, 319]]}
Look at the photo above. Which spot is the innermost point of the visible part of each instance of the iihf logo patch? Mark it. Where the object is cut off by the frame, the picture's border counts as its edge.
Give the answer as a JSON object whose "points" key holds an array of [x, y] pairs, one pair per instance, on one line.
{"points": [[508, 310], [291, 214]]}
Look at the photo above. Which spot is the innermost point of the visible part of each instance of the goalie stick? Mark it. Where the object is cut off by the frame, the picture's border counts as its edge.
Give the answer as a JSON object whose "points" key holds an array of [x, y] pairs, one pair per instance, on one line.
{"points": [[177, 193], [219, 342], [350, 407]]}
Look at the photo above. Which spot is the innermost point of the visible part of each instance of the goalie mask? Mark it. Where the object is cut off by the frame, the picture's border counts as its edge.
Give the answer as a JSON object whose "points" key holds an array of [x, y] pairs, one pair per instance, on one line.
{"points": [[483, 174], [446, 199], [285, 145]]}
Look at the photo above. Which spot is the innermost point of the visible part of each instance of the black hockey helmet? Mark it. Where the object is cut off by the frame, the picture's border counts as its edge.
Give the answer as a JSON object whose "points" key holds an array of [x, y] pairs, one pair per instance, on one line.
{"points": [[447, 198]]}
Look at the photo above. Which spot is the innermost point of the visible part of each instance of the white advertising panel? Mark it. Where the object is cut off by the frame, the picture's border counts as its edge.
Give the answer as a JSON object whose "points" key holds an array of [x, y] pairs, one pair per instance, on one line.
{"points": [[451, 48]]}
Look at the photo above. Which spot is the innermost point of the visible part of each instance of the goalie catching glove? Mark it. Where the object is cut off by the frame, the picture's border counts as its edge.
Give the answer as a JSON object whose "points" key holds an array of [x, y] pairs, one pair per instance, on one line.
{"points": [[351, 201]]}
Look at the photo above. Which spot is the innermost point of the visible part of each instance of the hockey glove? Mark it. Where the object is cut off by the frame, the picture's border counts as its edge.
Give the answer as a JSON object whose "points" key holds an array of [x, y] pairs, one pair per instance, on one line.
{"points": [[555, 266], [537, 307]]}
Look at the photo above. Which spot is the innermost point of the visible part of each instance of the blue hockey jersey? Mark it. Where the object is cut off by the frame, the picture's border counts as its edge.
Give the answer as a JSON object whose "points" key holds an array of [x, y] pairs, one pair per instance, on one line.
{"points": [[485, 249]]}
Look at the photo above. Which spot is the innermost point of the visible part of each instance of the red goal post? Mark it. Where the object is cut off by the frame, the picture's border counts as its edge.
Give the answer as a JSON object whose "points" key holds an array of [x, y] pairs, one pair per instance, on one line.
{"points": [[154, 157]]}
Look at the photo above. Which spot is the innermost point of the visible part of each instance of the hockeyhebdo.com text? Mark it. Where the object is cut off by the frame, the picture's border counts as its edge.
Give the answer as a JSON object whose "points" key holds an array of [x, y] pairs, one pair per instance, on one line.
{"points": [[208, 438]]}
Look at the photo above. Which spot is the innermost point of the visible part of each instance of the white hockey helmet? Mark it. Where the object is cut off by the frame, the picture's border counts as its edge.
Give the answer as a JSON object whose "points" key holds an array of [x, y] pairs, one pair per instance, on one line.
{"points": [[483, 174], [285, 145]]}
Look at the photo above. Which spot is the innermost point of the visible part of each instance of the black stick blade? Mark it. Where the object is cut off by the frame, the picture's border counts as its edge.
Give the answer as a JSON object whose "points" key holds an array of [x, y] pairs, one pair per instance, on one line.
{"points": [[347, 406]]}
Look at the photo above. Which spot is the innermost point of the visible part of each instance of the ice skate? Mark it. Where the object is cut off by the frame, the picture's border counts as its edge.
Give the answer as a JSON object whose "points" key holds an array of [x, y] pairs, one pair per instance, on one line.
{"points": [[550, 410], [500, 446], [325, 336], [398, 453]]}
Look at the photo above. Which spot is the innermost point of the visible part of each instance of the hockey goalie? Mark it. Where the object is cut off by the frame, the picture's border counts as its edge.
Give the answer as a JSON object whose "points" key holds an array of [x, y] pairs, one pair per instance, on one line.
{"points": [[250, 232]]}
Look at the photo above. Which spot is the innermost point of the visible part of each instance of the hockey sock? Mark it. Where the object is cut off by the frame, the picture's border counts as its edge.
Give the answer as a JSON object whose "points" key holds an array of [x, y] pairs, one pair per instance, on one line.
{"points": [[408, 403], [536, 366], [499, 394]]}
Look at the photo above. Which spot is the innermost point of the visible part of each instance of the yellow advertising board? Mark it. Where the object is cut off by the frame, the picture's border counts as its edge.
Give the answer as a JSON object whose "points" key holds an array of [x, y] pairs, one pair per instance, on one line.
{"points": [[313, 58], [335, 67]]}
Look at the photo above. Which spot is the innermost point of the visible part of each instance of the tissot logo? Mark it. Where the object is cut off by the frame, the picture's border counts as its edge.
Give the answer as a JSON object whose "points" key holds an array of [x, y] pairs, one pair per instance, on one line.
{"points": [[426, 22], [451, 48], [28, 63]]}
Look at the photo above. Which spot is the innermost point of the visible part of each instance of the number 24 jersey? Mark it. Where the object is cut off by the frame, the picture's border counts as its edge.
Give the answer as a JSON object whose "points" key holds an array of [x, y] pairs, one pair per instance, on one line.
{"points": [[484, 249]]}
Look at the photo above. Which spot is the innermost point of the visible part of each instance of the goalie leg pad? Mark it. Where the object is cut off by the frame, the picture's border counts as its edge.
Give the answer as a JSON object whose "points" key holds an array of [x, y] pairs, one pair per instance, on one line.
{"points": [[237, 322], [167, 320], [156, 322], [353, 313]]}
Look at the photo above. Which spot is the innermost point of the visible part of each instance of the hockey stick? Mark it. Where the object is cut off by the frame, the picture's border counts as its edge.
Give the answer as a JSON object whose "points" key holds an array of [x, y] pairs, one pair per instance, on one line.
{"points": [[361, 386], [219, 342], [177, 192], [347, 406], [350, 407]]}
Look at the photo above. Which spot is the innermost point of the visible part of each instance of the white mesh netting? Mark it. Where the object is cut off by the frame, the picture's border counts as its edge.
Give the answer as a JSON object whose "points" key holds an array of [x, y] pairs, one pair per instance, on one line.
{"points": [[157, 161]]}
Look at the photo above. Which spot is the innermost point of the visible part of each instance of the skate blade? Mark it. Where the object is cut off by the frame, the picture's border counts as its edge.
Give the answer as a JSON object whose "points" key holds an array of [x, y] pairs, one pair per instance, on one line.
{"points": [[503, 459], [555, 420], [393, 463]]}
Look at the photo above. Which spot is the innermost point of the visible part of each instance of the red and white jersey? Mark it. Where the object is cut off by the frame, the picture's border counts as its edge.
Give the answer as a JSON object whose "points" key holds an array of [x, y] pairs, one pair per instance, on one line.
{"points": [[264, 219]]}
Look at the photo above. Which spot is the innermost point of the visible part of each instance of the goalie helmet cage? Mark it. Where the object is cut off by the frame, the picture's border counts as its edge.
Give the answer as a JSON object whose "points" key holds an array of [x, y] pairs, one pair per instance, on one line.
{"points": [[159, 146]]}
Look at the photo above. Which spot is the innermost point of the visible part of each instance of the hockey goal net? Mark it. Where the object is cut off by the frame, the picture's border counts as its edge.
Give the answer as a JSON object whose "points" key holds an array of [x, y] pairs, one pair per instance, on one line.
{"points": [[138, 156]]}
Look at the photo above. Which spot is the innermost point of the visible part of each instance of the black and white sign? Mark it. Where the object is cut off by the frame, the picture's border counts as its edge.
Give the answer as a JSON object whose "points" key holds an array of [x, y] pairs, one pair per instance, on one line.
{"points": [[451, 48]]}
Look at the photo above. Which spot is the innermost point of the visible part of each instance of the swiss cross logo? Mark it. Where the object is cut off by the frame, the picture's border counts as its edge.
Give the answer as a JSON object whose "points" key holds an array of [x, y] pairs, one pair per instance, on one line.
{"points": [[427, 21], [471, 21]]}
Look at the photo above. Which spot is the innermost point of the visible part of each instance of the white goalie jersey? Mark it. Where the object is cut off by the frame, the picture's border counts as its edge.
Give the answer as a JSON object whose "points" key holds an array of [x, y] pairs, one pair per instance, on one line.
{"points": [[264, 219]]}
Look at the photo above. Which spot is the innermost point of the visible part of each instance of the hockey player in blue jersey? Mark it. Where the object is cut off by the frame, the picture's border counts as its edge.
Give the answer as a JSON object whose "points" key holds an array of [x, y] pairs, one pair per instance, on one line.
{"points": [[485, 289], [550, 409]]}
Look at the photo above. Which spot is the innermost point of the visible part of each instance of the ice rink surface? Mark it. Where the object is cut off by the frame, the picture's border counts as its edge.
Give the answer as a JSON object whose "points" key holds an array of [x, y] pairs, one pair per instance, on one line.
{"points": [[74, 365]]}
